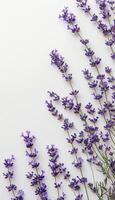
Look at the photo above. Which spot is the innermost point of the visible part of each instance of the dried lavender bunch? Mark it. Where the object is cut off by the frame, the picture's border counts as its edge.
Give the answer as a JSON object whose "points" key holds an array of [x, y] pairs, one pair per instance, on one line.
{"points": [[9, 174], [36, 176], [104, 25], [94, 61], [106, 106], [69, 104]]}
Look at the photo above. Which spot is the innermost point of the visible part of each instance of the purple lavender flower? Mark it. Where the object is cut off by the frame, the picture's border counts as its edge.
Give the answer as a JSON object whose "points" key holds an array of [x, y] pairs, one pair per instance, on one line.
{"points": [[71, 23], [103, 27], [90, 108], [54, 96], [108, 70], [79, 197], [67, 17], [67, 125], [87, 74], [74, 28], [9, 162], [94, 18], [72, 138], [95, 62], [68, 77], [58, 61], [67, 103], [112, 165], [83, 5], [93, 84], [57, 169], [109, 124], [36, 176], [109, 42], [105, 136], [98, 96], [89, 52], [113, 55], [104, 11], [75, 184], [78, 163], [107, 30], [16, 194], [77, 108], [53, 110], [62, 197]]}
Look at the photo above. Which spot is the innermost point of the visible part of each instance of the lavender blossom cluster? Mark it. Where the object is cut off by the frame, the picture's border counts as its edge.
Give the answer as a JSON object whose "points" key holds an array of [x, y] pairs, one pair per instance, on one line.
{"points": [[104, 21], [9, 175]]}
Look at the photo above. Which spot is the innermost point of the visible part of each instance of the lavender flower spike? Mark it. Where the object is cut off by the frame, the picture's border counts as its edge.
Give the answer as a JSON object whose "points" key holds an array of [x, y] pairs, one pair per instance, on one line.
{"points": [[36, 176], [58, 61], [16, 194], [70, 21], [57, 169]]}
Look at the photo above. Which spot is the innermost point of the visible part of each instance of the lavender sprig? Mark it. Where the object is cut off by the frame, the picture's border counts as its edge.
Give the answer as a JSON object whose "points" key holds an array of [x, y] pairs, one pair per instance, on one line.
{"points": [[36, 176], [16, 194], [57, 169]]}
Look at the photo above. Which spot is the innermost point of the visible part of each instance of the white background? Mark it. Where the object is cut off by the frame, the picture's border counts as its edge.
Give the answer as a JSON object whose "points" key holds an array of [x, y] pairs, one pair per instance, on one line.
{"points": [[29, 30]]}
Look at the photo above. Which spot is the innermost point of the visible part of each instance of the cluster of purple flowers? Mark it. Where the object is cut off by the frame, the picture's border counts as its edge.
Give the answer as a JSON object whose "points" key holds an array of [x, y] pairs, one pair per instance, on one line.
{"points": [[59, 169], [36, 176], [71, 21], [106, 25], [58, 60], [9, 174]]}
